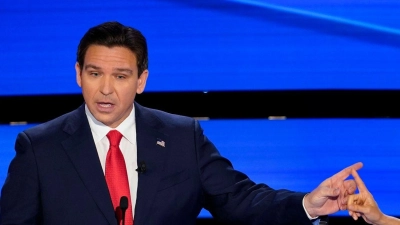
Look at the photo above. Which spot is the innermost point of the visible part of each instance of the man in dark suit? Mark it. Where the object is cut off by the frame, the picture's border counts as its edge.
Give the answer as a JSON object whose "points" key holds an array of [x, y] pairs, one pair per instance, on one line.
{"points": [[58, 175]]}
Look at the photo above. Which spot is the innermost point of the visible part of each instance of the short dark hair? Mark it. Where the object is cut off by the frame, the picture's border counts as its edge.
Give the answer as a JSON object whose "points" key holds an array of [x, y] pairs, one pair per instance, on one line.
{"points": [[111, 34]]}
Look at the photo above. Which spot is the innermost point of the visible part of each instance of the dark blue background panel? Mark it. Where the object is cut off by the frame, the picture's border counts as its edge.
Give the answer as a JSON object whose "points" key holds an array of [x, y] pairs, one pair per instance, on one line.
{"points": [[209, 45], [296, 154]]}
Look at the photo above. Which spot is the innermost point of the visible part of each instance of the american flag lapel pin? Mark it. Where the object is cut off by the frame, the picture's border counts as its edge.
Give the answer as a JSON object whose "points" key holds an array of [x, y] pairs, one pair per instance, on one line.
{"points": [[160, 142]]}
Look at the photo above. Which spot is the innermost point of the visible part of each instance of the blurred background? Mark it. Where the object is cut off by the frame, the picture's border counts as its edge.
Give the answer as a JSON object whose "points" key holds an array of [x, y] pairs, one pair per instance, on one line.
{"points": [[290, 91]]}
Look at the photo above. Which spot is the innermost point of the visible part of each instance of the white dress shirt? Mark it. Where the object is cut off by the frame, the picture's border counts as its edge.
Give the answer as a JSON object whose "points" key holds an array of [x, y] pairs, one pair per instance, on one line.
{"points": [[127, 145]]}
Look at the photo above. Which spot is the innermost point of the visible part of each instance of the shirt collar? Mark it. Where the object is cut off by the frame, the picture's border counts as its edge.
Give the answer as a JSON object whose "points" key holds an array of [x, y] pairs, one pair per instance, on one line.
{"points": [[100, 130]]}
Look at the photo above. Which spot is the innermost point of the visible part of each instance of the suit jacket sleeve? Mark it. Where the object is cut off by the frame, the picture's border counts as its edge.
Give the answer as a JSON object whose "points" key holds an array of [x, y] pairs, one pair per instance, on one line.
{"points": [[231, 197], [20, 202]]}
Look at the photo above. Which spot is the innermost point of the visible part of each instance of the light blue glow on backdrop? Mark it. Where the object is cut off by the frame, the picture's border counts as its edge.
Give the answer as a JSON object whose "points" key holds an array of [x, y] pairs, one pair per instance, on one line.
{"points": [[295, 154], [210, 45]]}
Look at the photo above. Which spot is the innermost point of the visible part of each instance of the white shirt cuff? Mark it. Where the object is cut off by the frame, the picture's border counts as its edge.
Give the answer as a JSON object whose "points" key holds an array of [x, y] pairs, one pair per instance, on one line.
{"points": [[308, 215]]}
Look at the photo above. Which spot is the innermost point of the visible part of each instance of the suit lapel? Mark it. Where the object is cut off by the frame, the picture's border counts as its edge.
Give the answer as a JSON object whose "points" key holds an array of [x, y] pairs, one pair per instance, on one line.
{"points": [[82, 151], [152, 148]]}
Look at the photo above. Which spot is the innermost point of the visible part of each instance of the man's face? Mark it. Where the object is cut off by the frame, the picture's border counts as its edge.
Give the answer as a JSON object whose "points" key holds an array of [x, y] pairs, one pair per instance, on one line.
{"points": [[109, 82]]}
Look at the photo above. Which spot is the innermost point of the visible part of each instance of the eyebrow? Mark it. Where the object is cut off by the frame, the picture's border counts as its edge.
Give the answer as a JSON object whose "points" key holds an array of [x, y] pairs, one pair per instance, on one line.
{"points": [[91, 66], [124, 70]]}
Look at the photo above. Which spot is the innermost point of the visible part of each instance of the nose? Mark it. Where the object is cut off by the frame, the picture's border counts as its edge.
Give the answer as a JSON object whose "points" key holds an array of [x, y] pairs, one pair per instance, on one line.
{"points": [[106, 86]]}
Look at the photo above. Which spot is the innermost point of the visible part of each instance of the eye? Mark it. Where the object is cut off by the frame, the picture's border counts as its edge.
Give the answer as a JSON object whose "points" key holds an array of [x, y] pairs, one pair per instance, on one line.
{"points": [[121, 76], [95, 74]]}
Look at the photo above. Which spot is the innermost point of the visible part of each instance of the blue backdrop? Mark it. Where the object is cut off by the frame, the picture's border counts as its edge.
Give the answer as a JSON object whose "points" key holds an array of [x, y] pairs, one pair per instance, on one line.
{"points": [[204, 45]]}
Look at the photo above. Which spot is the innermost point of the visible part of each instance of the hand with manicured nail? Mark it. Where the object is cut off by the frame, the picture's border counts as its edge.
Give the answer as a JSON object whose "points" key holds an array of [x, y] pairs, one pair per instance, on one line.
{"points": [[364, 205]]}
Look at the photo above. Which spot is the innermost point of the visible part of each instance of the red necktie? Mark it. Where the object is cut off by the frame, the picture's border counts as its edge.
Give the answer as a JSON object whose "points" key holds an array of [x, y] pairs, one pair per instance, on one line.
{"points": [[117, 177]]}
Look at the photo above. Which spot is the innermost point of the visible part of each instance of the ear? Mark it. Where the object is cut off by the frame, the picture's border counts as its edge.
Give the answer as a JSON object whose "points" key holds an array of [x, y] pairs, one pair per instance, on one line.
{"points": [[78, 74], [142, 82]]}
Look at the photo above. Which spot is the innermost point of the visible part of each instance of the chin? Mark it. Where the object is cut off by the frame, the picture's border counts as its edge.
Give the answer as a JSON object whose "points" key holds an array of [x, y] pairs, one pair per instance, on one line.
{"points": [[101, 118]]}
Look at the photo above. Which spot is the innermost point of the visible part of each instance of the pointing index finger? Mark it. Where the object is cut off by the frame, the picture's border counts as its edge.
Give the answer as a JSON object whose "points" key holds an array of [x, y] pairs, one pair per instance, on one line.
{"points": [[360, 184], [343, 174]]}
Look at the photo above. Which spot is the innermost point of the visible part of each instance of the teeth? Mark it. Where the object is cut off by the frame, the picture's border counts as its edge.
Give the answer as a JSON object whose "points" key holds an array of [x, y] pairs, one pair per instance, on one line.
{"points": [[105, 105]]}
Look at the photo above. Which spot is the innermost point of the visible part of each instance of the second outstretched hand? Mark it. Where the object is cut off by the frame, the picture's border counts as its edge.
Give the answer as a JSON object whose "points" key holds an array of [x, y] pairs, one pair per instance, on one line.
{"points": [[364, 205], [332, 194]]}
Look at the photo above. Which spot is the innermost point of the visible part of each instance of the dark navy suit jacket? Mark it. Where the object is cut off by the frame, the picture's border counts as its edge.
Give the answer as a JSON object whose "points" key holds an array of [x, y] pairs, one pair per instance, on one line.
{"points": [[56, 178]]}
